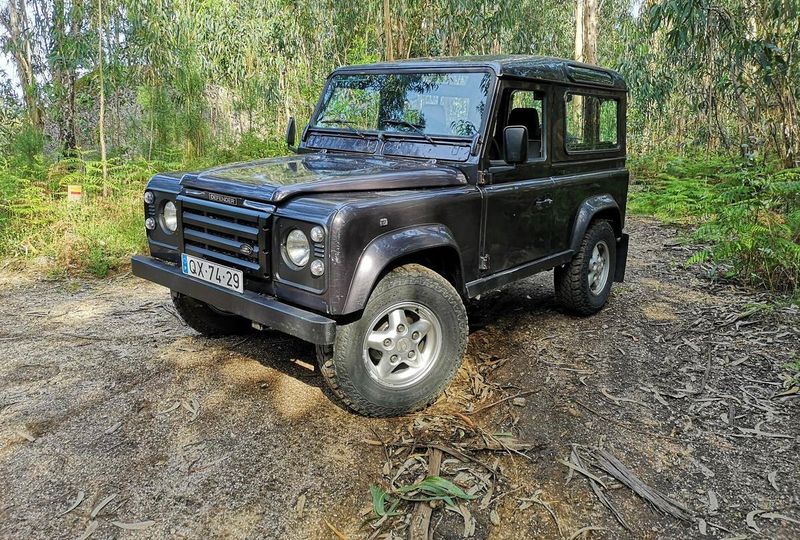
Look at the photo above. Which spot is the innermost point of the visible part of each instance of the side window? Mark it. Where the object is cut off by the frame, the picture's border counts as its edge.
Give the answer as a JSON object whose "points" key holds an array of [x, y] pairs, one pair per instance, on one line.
{"points": [[591, 123], [526, 108]]}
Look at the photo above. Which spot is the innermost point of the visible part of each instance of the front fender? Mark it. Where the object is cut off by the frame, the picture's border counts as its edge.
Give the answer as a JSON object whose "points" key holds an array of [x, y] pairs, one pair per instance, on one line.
{"points": [[590, 208], [383, 250]]}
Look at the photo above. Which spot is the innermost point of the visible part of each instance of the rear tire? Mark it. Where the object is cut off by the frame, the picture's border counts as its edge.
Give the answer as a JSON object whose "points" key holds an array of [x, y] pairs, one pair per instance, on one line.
{"points": [[404, 350], [583, 284], [207, 320]]}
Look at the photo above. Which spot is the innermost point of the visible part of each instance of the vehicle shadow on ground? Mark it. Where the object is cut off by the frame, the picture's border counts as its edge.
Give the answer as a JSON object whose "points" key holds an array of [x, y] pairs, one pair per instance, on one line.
{"points": [[297, 358]]}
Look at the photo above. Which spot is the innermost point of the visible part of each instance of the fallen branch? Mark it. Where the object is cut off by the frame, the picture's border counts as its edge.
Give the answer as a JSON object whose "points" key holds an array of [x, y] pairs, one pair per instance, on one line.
{"points": [[615, 468], [421, 515], [498, 402]]}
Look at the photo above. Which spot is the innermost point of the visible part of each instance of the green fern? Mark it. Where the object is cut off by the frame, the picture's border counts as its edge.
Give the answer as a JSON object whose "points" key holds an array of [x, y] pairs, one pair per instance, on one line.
{"points": [[748, 216]]}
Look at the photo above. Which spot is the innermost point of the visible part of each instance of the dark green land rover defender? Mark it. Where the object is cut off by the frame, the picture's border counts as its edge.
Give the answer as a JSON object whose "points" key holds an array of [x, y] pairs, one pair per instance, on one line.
{"points": [[416, 185]]}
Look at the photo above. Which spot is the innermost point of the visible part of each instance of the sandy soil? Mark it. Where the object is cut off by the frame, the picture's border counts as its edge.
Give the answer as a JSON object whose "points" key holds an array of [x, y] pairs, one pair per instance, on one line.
{"points": [[103, 391]]}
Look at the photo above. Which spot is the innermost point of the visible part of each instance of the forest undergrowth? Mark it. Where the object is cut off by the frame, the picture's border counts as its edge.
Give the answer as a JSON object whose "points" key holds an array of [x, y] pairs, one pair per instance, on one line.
{"points": [[745, 216]]}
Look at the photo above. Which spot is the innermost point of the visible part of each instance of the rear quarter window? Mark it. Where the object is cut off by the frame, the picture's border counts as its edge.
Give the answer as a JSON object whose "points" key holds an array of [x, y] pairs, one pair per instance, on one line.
{"points": [[591, 123]]}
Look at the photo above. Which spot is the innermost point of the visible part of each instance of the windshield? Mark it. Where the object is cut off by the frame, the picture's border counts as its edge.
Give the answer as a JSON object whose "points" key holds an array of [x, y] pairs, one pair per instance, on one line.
{"points": [[428, 104]]}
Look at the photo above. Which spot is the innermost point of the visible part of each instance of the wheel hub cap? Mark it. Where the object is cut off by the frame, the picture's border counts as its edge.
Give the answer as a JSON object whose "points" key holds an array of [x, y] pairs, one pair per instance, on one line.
{"points": [[402, 344], [599, 264]]}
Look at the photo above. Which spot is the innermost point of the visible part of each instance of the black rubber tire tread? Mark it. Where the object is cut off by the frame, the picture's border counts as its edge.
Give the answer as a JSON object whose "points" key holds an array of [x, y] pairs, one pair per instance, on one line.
{"points": [[572, 287], [209, 322], [349, 338]]}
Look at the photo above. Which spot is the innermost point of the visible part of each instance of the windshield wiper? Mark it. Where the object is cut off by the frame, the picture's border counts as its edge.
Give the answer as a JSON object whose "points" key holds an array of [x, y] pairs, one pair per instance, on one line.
{"points": [[415, 127], [347, 124]]}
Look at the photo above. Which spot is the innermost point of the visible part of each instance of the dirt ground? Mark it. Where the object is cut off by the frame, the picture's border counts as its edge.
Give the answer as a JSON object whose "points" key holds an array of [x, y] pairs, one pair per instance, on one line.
{"points": [[103, 392]]}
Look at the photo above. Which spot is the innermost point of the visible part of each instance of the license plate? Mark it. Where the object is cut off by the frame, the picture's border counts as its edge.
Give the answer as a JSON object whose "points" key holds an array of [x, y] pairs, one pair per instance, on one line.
{"points": [[224, 276]]}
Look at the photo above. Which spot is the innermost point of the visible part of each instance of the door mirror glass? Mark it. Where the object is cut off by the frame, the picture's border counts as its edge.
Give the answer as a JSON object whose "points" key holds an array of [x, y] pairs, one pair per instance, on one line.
{"points": [[291, 132], [515, 144]]}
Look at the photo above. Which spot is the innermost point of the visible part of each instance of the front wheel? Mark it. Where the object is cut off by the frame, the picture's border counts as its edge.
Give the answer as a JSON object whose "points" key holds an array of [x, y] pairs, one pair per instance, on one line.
{"points": [[583, 284], [404, 350]]}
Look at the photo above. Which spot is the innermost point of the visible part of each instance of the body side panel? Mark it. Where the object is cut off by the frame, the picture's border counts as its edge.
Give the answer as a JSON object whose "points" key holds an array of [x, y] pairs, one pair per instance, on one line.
{"points": [[424, 219]]}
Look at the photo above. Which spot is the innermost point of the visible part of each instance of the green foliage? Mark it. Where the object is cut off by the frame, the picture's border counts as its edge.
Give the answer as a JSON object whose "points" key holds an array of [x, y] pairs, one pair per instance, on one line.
{"points": [[747, 215], [432, 488], [99, 234], [26, 147]]}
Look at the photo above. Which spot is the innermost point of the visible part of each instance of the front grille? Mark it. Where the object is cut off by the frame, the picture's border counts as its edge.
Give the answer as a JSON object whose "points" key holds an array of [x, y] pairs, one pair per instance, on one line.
{"points": [[231, 235]]}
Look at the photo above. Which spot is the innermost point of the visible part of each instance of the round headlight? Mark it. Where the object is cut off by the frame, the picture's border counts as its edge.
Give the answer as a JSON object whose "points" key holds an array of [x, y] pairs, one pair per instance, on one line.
{"points": [[169, 217], [296, 248], [149, 197], [317, 234], [150, 224]]}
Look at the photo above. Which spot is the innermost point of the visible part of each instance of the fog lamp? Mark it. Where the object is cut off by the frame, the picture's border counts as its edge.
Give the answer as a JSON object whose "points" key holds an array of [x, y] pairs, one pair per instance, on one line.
{"points": [[317, 267]]}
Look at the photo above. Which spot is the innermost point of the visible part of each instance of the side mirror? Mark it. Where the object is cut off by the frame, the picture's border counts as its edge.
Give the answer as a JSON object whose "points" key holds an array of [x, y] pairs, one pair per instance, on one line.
{"points": [[515, 144], [291, 132]]}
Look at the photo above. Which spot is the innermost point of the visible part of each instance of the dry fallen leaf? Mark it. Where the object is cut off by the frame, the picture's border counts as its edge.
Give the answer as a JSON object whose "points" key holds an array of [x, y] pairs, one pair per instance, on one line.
{"points": [[782, 517], [583, 530], [192, 406], [494, 517], [78, 500], [773, 479], [751, 519], [89, 530], [335, 531], [135, 526], [170, 409], [25, 435], [301, 503], [102, 504], [713, 503]]}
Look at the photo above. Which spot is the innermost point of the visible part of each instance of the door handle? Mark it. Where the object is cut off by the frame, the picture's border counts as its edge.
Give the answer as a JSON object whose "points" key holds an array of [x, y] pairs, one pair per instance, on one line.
{"points": [[543, 202]]}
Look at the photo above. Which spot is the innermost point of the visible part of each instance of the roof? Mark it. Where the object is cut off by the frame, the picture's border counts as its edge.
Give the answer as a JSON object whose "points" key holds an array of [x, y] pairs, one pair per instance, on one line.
{"points": [[511, 65]]}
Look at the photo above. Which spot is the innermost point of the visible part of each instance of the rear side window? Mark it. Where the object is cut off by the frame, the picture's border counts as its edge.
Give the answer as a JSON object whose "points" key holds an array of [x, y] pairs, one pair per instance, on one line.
{"points": [[591, 123]]}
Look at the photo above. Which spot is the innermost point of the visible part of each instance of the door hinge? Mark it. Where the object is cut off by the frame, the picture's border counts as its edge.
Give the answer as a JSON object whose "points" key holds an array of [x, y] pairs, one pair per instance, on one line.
{"points": [[483, 263], [483, 178]]}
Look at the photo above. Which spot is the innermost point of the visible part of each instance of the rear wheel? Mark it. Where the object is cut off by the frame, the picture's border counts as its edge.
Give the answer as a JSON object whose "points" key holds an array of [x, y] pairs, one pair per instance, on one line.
{"points": [[406, 348], [583, 284], [208, 320]]}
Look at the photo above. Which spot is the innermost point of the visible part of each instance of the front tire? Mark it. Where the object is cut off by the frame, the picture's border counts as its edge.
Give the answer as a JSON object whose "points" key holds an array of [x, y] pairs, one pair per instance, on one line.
{"points": [[404, 350], [583, 284], [208, 320]]}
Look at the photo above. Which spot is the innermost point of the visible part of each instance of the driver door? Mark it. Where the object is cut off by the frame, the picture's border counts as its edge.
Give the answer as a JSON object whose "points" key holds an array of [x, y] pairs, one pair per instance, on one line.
{"points": [[518, 199]]}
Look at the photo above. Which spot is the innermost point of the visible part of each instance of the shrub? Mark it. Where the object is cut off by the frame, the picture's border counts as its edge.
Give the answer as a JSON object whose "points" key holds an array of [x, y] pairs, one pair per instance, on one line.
{"points": [[748, 216], [99, 234]]}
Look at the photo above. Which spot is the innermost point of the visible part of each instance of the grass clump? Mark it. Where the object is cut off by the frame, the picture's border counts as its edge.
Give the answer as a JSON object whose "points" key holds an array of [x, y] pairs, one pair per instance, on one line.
{"points": [[97, 235], [748, 216]]}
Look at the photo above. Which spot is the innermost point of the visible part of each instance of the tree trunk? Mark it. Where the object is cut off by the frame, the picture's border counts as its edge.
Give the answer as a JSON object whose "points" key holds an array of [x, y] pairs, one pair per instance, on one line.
{"points": [[387, 30], [22, 51], [579, 30], [64, 74], [590, 31], [102, 118]]}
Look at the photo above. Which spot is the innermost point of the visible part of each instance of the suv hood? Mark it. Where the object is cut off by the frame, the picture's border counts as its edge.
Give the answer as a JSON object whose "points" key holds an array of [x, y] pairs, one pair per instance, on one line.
{"points": [[277, 179]]}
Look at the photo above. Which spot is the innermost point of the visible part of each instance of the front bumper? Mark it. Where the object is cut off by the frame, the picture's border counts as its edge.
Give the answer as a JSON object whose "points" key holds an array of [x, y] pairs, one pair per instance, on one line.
{"points": [[262, 309]]}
